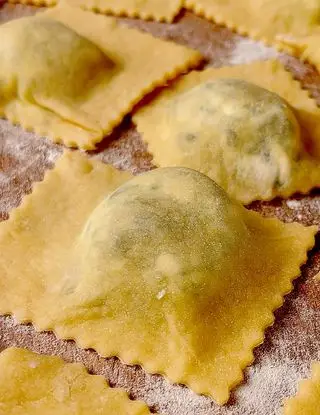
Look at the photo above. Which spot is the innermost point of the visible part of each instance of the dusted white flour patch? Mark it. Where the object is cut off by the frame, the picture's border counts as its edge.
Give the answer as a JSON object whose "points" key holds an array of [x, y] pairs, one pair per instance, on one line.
{"points": [[293, 204], [247, 50]]}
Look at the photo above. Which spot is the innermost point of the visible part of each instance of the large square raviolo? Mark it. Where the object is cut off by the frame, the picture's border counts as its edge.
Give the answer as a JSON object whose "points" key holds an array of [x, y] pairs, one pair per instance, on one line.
{"points": [[73, 75], [33, 384], [307, 400], [262, 19], [251, 128], [166, 271]]}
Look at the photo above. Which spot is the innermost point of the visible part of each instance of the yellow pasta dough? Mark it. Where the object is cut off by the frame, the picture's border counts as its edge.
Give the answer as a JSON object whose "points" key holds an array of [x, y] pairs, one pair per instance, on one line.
{"points": [[161, 10], [33, 384], [307, 400], [165, 271], [261, 19], [73, 75], [251, 128], [305, 47]]}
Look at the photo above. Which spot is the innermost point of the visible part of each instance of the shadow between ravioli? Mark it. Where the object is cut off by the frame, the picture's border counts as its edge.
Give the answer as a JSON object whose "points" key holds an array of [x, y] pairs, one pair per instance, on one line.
{"points": [[166, 270]]}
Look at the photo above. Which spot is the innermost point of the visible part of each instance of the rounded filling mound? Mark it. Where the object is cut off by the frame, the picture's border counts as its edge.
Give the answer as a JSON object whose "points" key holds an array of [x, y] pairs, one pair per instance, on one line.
{"points": [[244, 137], [45, 63], [170, 222]]}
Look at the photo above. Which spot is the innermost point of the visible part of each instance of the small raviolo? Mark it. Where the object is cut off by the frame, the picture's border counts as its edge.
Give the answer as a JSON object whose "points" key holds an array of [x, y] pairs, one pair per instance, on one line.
{"points": [[160, 10], [73, 75], [157, 270], [252, 140], [33, 384], [307, 399], [262, 19]]}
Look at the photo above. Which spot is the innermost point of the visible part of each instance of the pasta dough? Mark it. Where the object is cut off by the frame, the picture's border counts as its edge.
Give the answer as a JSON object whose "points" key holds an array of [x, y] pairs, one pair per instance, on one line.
{"points": [[161, 10], [33, 384], [224, 123], [60, 72], [158, 272], [262, 19], [73, 75], [306, 48], [307, 400]]}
